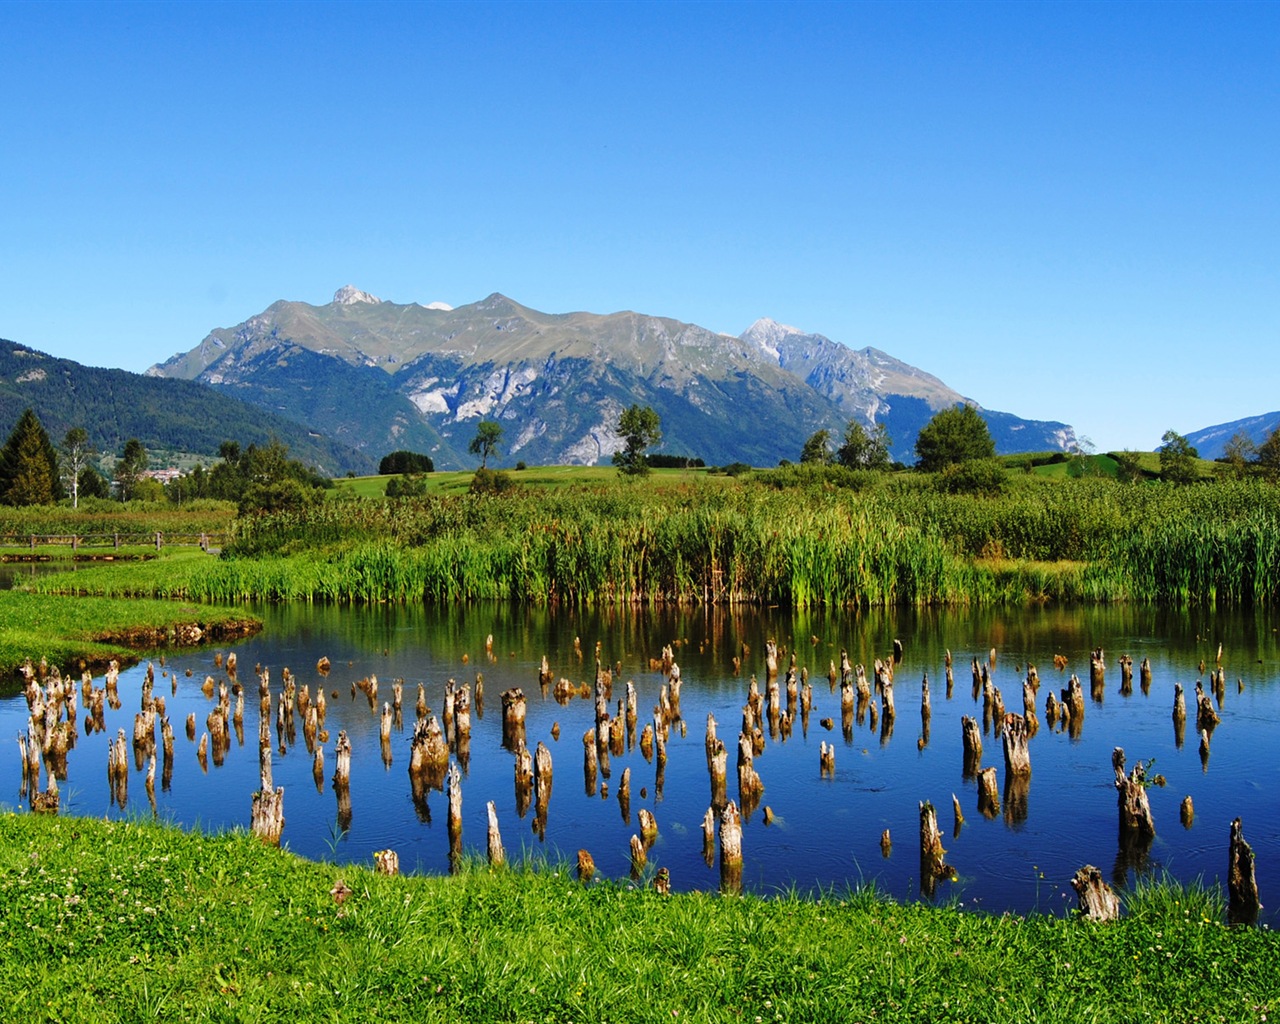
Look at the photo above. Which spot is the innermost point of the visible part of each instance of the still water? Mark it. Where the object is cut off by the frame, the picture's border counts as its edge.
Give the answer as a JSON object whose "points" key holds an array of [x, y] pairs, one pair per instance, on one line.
{"points": [[824, 832]]}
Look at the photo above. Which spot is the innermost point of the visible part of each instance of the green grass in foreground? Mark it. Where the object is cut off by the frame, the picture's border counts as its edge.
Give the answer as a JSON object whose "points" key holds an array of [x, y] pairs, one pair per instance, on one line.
{"points": [[135, 921], [66, 630]]}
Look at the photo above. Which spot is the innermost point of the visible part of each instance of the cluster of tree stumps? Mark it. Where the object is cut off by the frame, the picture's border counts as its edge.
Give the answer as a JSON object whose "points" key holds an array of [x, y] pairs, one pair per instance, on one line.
{"points": [[440, 752]]}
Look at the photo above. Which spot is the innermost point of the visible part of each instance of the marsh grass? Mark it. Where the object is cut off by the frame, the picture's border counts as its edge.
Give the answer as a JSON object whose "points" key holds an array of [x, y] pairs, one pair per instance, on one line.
{"points": [[131, 921], [798, 538]]}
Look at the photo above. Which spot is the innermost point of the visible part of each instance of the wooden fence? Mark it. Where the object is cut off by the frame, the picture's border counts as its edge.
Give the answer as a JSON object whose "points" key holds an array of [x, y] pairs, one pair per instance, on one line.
{"points": [[112, 541]]}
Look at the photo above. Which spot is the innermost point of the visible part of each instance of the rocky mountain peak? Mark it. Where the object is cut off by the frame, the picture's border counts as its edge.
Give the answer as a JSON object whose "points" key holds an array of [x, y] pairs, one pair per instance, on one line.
{"points": [[767, 334], [349, 295]]}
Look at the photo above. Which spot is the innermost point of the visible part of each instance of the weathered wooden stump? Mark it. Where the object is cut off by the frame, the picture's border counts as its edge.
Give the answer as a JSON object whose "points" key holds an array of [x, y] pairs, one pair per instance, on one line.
{"points": [[988, 794], [972, 739], [709, 836], [513, 717], [1126, 675], [542, 779], [1029, 705], [959, 814], [497, 855], [267, 816], [1017, 752], [932, 865], [386, 862], [1206, 717], [1187, 812], [719, 759], [886, 844], [1136, 823], [1096, 899], [639, 857], [453, 782], [827, 760], [1073, 703], [750, 787], [590, 763], [1242, 886], [730, 849], [648, 826], [1097, 673]]}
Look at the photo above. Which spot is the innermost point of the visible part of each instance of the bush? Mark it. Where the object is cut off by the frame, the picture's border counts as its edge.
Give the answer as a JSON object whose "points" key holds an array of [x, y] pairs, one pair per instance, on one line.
{"points": [[977, 476], [407, 485], [491, 481]]}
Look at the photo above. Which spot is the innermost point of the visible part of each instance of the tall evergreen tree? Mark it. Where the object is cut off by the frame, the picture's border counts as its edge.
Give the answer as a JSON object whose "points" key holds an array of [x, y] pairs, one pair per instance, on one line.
{"points": [[29, 465]]}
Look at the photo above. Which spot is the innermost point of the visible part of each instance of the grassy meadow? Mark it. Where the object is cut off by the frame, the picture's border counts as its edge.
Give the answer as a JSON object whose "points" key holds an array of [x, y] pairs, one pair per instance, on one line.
{"points": [[135, 921]]}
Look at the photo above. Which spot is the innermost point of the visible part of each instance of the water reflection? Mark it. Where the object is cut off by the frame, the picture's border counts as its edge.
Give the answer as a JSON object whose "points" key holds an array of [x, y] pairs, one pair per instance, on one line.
{"points": [[829, 794]]}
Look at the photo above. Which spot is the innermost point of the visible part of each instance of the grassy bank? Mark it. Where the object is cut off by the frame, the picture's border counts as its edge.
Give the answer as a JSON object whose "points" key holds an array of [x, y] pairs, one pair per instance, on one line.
{"points": [[68, 630], [121, 922], [795, 538]]}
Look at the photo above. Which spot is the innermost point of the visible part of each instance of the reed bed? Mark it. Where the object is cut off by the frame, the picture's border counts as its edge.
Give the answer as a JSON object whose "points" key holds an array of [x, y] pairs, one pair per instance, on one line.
{"points": [[846, 544]]}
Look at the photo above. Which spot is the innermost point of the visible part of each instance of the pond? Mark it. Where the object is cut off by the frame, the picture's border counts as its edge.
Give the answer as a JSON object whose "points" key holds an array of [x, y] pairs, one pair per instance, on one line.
{"points": [[812, 830]]}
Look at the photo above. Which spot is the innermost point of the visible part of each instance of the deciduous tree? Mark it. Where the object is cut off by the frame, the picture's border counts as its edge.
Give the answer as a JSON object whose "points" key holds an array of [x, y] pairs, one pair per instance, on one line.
{"points": [[640, 428], [485, 443], [76, 454], [817, 449], [862, 449], [130, 467], [1177, 458], [953, 436]]}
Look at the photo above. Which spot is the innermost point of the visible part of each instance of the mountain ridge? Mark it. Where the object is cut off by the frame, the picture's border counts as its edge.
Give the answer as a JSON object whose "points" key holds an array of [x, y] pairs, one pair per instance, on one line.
{"points": [[557, 381]]}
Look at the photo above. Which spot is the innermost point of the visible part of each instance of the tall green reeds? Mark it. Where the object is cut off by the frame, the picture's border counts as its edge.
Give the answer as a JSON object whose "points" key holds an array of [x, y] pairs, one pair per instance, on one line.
{"points": [[814, 544]]}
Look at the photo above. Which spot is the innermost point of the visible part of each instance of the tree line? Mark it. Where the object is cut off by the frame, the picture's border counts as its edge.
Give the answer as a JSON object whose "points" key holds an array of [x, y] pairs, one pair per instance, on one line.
{"points": [[35, 471]]}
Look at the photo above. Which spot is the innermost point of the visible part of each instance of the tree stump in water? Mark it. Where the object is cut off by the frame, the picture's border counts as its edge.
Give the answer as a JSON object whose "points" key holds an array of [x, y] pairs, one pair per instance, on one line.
{"points": [[1017, 754], [1242, 887], [750, 787], [542, 779], [648, 826], [1187, 812], [730, 849], [1126, 674], [1029, 705], [988, 794], [267, 817], [1136, 823], [959, 815], [1097, 901], [717, 760], [497, 855], [827, 759], [386, 862], [709, 836], [932, 865], [972, 737], [589, 761], [1206, 717], [454, 787], [1097, 672], [1073, 703], [514, 710]]}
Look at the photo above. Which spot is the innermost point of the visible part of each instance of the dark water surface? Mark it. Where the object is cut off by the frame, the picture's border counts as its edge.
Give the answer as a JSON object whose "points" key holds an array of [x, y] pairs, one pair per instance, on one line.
{"points": [[825, 832]]}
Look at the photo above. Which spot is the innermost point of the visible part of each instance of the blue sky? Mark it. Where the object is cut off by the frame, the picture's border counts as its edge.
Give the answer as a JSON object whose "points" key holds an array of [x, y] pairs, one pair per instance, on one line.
{"points": [[1065, 211]]}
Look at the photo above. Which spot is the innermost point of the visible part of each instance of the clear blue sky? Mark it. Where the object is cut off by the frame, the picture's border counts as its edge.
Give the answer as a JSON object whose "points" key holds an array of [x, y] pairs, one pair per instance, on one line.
{"points": [[1065, 211]]}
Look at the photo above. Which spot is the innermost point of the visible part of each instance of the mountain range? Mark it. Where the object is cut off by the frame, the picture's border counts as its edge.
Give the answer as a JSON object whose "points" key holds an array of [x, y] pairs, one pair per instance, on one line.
{"points": [[165, 415], [376, 376], [1211, 442]]}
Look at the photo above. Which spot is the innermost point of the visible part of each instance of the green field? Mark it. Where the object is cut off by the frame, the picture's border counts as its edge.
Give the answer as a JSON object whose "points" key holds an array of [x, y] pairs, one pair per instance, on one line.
{"points": [[134, 921]]}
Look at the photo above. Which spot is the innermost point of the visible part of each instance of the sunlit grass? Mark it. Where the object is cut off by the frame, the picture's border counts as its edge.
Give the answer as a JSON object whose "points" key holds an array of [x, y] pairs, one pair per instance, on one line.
{"points": [[137, 921]]}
